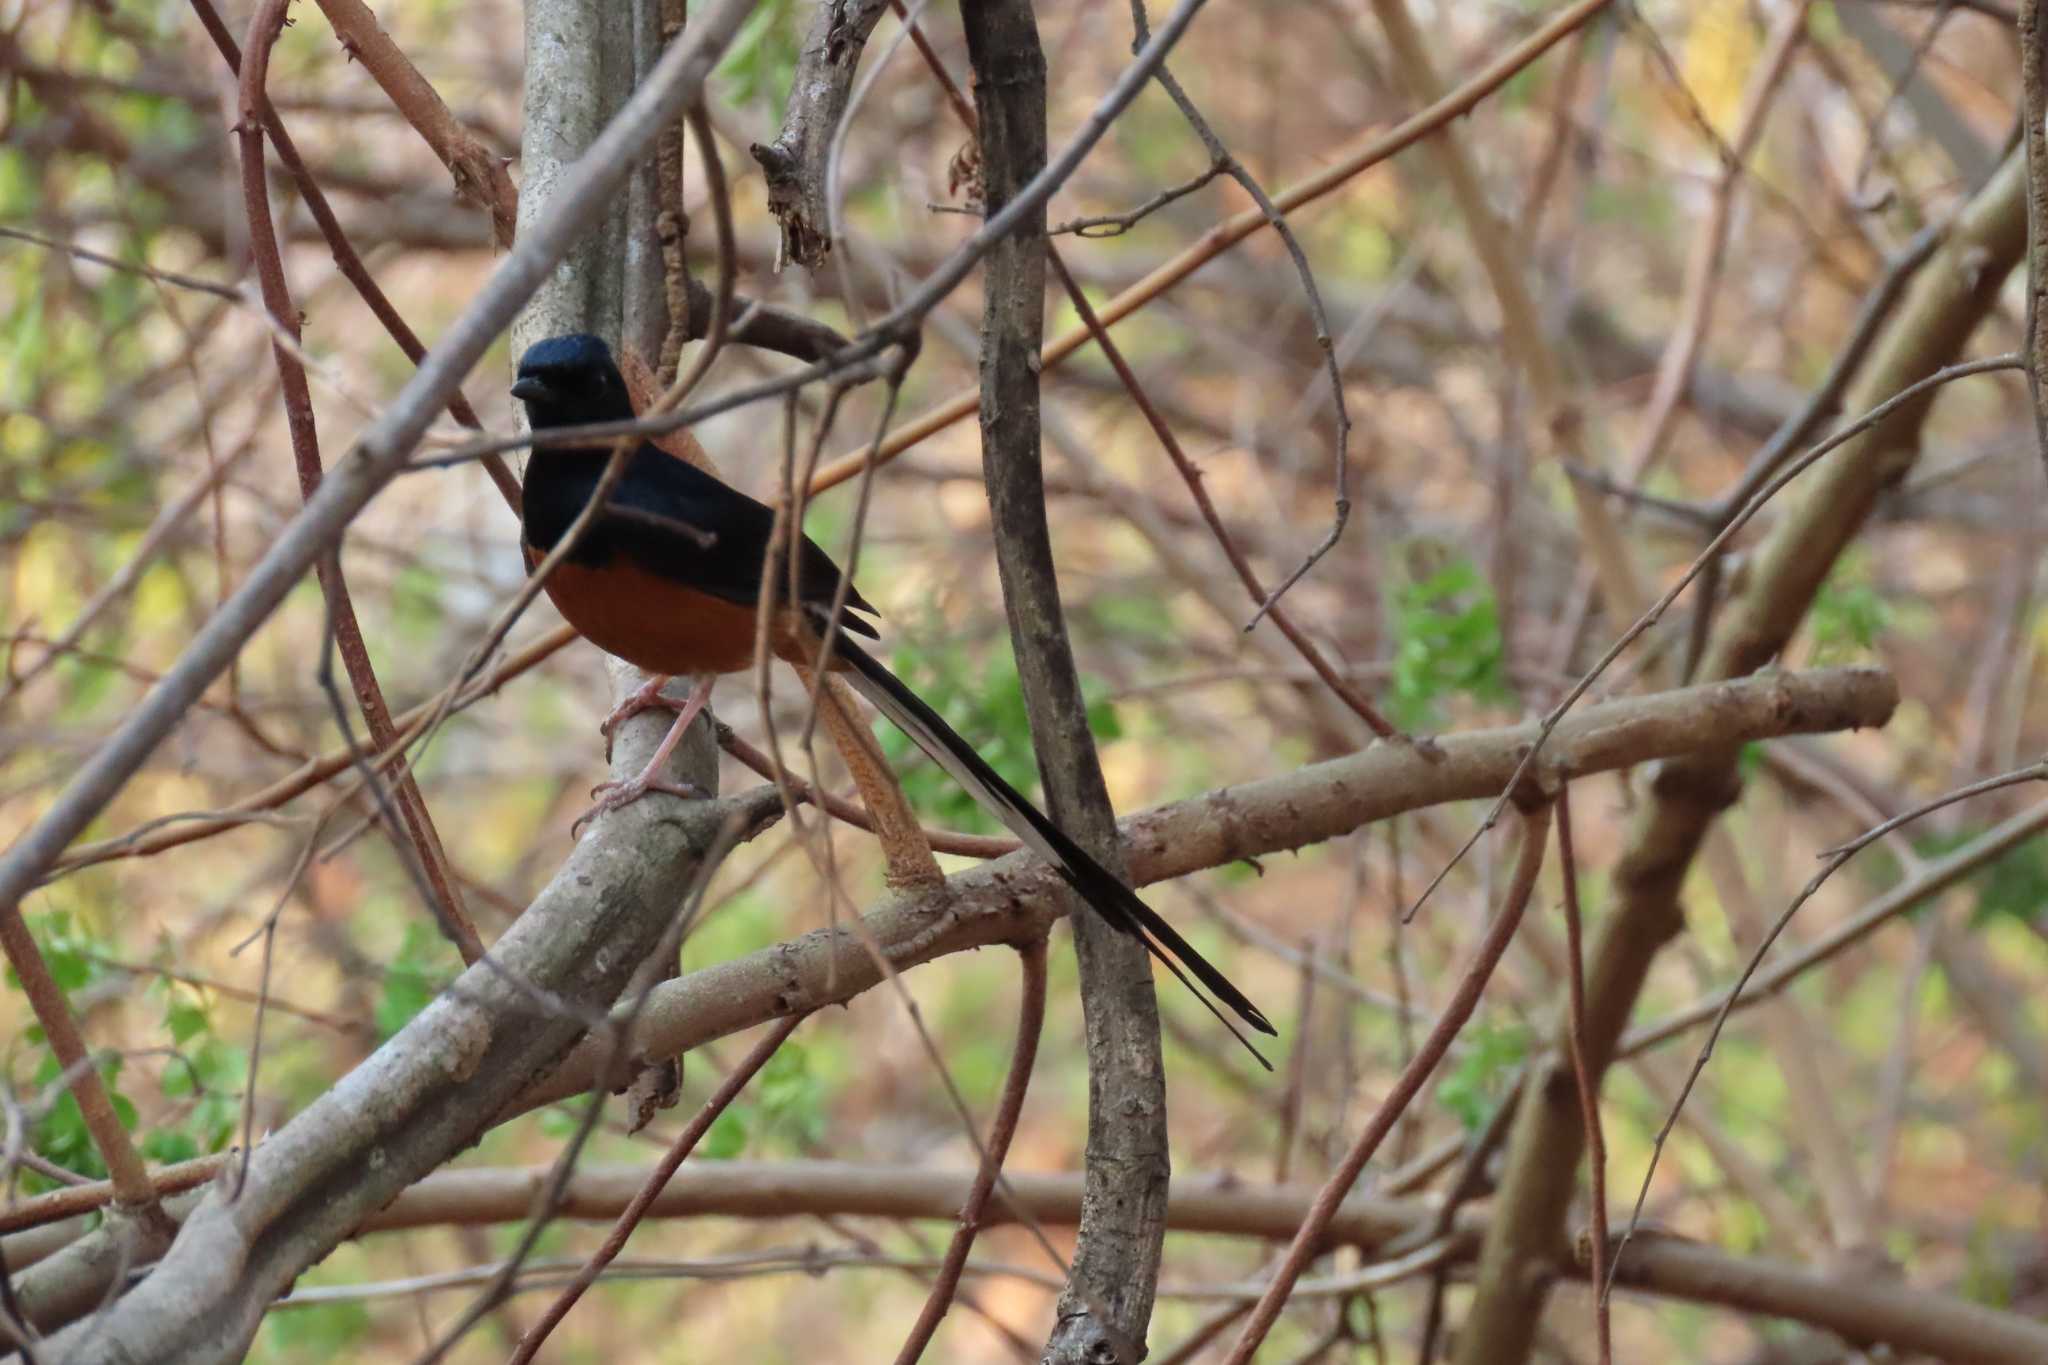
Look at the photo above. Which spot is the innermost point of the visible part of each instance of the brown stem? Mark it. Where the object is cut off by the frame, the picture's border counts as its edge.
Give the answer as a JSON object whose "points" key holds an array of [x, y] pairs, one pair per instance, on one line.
{"points": [[1347, 163], [130, 1181], [1309, 1237], [345, 257], [1115, 1272], [445, 901], [1282, 619], [1589, 1092], [1221, 158], [630, 1217], [1030, 1024], [480, 176]]}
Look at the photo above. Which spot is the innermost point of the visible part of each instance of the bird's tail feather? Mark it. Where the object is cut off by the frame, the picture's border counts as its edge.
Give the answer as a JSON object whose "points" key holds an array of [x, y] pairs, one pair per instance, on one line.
{"points": [[1109, 897]]}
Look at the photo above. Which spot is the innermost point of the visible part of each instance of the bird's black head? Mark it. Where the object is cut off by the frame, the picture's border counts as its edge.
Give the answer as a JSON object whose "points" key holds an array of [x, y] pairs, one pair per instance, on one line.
{"points": [[569, 381]]}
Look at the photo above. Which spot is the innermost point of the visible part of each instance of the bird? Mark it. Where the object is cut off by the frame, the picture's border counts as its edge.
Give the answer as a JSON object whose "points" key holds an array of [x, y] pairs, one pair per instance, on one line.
{"points": [[668, 577]]}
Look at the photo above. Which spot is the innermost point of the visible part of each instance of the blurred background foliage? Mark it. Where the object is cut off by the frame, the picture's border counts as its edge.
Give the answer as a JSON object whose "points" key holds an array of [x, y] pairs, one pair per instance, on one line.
{"points": [[1456, 597]]}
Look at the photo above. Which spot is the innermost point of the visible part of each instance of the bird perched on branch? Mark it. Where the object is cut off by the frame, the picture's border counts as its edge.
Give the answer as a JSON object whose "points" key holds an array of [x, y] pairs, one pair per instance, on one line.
{"points": [[668, 576]]}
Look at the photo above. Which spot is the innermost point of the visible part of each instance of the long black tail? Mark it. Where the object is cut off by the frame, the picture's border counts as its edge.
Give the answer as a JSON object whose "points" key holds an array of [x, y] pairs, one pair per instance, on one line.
{"points": [[1110, 898]]}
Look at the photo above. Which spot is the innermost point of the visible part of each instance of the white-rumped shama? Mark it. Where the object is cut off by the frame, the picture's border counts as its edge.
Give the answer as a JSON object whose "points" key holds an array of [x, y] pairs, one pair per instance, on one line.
{"points": [[668, 577]]}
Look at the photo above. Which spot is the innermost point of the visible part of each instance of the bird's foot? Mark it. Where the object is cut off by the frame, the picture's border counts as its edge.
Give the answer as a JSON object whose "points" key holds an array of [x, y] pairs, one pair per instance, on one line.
{"points": [[647, 697], [611, 796]]}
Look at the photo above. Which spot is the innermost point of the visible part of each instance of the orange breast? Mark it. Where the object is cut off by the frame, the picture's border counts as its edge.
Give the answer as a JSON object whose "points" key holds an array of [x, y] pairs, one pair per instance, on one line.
{"points": [[652, 622], [657, 624]]}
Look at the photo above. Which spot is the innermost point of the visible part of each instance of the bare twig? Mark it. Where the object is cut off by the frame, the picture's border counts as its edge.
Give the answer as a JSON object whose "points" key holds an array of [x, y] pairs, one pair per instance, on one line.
{"points": [[346, 258], [1936, 877], [1347, 162], [1220, 156], [1308, 1238], [1835, 857], [480, 177], [1030, 1023], [1116, 224], [1582, 1074], [630, 1217], [443, 899]]}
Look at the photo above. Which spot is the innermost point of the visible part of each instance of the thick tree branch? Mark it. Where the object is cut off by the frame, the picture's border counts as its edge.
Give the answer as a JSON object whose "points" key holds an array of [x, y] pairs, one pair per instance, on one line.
{"points": [[796, 164], [426, 1094], [1103, 1312], [1012, 899], [1857, 1308]]}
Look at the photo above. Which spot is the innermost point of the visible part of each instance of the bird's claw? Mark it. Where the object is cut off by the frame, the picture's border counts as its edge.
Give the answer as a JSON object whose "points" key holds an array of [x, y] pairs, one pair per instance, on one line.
{"points": [[611, 796], [647, 697]]}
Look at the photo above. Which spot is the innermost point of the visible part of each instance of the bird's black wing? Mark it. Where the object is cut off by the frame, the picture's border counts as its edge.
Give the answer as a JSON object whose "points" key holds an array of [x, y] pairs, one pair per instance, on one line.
{"points": [[673, 519]]}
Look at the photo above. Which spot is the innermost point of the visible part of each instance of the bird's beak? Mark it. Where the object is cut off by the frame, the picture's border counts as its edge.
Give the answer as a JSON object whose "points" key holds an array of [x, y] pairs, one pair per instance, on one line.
{"points": [[531, 389]]}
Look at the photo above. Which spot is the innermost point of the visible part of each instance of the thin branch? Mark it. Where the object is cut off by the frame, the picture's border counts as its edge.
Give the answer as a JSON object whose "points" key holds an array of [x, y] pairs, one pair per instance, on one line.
{"points": [[1221, 157], [1931, 880], [346, 258], [1117, 224], [1030, 1024], [417, 824], [193, 282], [1582, 1073], [1309, 1237], [1825, 399], [480, 176], [1263, 601], [153, 836], [1835, 857], [664, 1170], [1347, 163]]}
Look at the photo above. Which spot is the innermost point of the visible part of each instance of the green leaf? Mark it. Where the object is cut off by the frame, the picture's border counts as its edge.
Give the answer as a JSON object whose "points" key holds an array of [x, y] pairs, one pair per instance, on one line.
{"points": [[185, 1021], [1848, 612], [1472, 1088], [1446, 642], [424, 963], [321, 1331], [726, 1138], [167, 1146]]}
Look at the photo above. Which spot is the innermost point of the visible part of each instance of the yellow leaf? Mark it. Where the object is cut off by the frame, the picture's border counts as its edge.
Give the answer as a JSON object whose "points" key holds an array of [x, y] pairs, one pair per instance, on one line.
{"points": [[1720, 49]]}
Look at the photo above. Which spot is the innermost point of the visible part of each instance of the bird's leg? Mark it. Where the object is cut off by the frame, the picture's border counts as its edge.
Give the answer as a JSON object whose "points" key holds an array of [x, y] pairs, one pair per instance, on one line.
{"points": [[612, 795], [646, 697]]}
